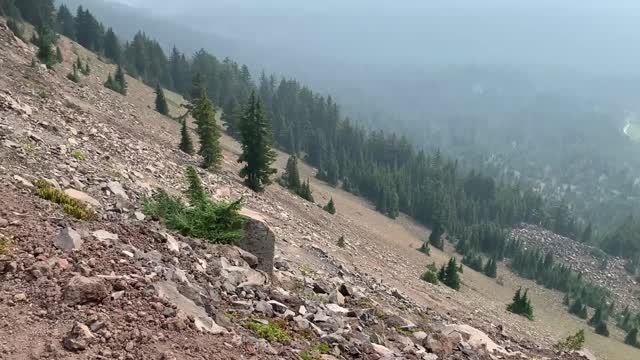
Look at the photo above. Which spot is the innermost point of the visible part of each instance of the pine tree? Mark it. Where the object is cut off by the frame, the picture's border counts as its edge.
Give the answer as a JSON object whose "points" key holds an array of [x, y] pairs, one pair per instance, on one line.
{"points": [[330, 207], [161, 101], [256, 146], [65, 23], [291, 177], [186, 145], [632, 338], [305, 191], [121, 80], [602, 329], [521, 305], [208, 132], [44, 41], [451, 277], [435, 238], [112, 49], [587, 234], [491, 268], [195, 191]]}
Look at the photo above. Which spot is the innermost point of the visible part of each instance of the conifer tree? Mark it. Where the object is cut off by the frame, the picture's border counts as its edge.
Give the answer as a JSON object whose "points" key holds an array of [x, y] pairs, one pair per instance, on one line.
{"points": [[121, 80], [186, 145], [256, 146], [195, 191], [305, 191], [632, 338], [65, 23], [602, 329], [112, 50], [521, 304], [451, 277], [330, 207], [435, 238], [44, 41], [208, 132], [161, 101], [491, 268], [291, 177]]}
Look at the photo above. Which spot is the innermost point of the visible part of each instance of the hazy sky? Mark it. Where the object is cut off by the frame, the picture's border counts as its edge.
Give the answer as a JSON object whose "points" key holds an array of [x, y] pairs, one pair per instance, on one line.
{"points": [[591, 35]]}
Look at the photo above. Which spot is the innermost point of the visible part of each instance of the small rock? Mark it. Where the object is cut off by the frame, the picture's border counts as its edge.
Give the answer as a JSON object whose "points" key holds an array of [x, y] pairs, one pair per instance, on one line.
{"points": [[79, 338], [20, 297], [83, 197], [103, 235], [139, 216], [24, 182], [116, 188], [4, 222], [68, 240], [278, 307], [264, 308]]}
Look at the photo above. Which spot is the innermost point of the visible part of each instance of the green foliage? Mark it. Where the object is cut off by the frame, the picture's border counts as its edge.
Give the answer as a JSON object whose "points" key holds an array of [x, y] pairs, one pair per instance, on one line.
{"points": [[341, 243], [272, 331], [449, 276], [208, 131], [217, 222], [65, 23], [521, 305], [430, 277], [424, 248], [630, 339], [256, 146], [186, 145], [330, 207], [70, 205], [578, 308], [44, 42], [602, 329], [473, 261], [491, 268], [305, 191], [573, 342], [117, 83], [161, 101], [435, 238], [73, 75], [4, 245], [78, 155]]}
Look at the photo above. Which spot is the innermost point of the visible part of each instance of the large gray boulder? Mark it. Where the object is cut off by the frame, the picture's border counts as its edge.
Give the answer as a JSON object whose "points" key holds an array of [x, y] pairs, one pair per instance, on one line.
{"points": [[82, 290], [68, 240], [259, 240]]}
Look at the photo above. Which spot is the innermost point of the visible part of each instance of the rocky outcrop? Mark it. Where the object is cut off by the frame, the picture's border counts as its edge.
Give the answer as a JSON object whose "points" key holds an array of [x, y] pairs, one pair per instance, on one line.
{"points": [[259, 240]]}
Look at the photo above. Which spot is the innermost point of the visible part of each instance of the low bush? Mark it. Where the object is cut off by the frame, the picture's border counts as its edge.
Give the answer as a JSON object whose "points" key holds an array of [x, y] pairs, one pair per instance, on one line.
{"points": [[70, 205], [272, 331], [217, 222]]}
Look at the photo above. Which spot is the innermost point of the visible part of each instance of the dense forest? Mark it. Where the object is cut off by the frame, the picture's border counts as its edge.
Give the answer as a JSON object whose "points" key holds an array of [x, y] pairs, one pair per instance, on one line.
{"points": [[472, 208]]}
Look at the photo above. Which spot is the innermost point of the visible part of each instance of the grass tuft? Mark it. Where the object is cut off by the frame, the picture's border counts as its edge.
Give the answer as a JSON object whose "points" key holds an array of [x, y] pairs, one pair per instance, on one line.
{"points": [[272, 331], [70, 205], [78, 155]]}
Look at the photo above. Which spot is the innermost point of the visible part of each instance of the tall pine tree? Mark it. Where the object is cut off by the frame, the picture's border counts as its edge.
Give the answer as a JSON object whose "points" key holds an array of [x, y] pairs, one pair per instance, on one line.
{"points": [[161, 101], [208, 132], [186, 145], [257, 153]]}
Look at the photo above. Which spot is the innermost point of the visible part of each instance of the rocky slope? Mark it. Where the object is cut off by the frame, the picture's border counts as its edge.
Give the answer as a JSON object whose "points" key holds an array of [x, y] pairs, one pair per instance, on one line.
{"points": [[121, 286], [606, 271]]}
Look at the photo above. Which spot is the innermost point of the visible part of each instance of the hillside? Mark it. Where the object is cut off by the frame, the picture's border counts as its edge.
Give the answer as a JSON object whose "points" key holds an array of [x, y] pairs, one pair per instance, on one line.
{"points": [[45, 119]]}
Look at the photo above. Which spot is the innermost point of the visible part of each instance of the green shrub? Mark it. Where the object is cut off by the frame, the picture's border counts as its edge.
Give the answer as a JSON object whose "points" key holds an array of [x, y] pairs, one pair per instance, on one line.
{"points": [[430, 277], [341, 243], [571, 343], [16, 28], [4, 246], [70, 205], [217, 222], [272, 331], [78, 155], [521, 305]]}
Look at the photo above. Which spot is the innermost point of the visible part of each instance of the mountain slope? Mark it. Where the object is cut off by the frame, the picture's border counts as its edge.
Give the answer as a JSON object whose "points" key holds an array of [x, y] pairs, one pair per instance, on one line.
{"points": [[45, 117]]}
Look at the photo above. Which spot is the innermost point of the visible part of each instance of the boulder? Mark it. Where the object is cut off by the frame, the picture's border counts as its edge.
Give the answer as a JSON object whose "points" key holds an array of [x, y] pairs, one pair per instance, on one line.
{"points": [[259, 240], [79, 338], [476, 338], [117, 189], [68, 240], [82, 290], [264, 308], [82, 197], [103, 235]]}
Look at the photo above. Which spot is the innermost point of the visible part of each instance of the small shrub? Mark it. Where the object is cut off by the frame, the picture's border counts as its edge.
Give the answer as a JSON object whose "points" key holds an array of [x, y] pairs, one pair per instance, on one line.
{"points": [[341, 242], [78, 155], [574, 342], [272, 331], [602, 329], [70, 205], [425, 249], [4, 245], [217, 222], [430, 277], [330, 207]]}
